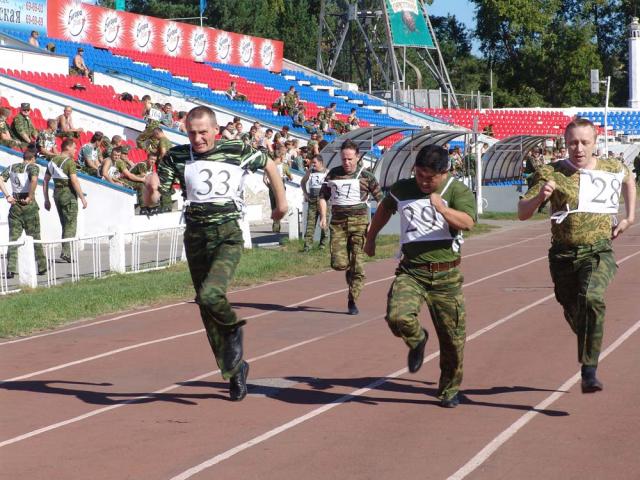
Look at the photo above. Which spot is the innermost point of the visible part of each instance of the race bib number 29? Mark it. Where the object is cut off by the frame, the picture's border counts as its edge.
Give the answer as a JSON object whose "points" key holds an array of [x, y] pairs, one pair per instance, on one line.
{"points": [[599, 191]]}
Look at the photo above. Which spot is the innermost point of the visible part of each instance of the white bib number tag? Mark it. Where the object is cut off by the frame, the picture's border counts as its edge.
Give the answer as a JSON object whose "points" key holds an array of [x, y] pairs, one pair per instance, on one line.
{"points": [[420, 222], [599, 191], [315, 182], [19, 182], [212, 181], [345, 192], [154, 114]]}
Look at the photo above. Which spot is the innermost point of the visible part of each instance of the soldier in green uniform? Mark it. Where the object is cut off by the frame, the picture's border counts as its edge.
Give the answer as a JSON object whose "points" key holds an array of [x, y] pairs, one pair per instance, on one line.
{"points": [[22, 127], [348, 187], [90, 156], [46, 143], [310, 185], [6, 138], [152, 116], [211, 177], [434, 209], [285, 174], [584, 193], [117, 171], [62, 169], [24, 212]]}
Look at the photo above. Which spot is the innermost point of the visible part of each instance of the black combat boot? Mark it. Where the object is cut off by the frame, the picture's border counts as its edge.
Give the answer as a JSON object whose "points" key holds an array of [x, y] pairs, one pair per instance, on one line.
{"points": [[452, 402], [238, 383], [590, 383], [416, 354]]}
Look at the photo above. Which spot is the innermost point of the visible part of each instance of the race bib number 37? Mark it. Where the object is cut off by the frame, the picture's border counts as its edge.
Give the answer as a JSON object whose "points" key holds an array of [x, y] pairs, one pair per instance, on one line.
{"points": [[210, 181], [599, 191]]}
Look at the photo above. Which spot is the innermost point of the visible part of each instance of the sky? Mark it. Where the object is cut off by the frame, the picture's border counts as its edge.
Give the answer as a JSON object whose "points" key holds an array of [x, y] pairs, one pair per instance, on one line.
{"points": [[462, 9]]}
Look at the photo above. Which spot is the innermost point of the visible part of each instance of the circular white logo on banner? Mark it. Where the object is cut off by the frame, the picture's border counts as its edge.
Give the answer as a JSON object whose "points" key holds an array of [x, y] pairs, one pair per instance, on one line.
{"points": [[199, 43], [172, 39], [267, 54], [75, 21], [246, 51], [142, 32], [223, 47], [111, 29]]}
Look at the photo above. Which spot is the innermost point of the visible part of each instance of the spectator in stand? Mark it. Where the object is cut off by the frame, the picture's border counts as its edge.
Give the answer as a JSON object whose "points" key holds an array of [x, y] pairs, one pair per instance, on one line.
{"points": [[239, 128], [300, 118], [488, 130], [79, 67], [152, 117], [66, 127], [233, 94], [159, 144], [456, 162], [108, 145], [5, 134], [90, 156], [51, 47], [46, 144], [280, 105], [167, 115], [229, 132], [33, 39], [22, 127], [124, 155], [24, 212], [62, 168], [179, 123], [119, 173], [353, 121], [291, 101]]}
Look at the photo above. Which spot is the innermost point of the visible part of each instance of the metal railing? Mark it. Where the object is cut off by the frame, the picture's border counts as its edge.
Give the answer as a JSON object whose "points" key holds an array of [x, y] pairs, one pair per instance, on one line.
{"points": [[5, 288], [161, 259]]}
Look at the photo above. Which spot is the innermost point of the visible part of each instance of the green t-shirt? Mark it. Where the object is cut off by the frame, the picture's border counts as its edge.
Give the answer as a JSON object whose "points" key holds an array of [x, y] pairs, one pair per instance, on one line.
{"points": [[458, 196], [578, 228]]}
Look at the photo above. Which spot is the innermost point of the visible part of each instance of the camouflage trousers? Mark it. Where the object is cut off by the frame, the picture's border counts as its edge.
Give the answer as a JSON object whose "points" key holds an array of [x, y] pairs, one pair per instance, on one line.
{"points": [[347, 242], [213, 253], [27, 218], [312, 219], [90, 171], [138, 187], [67, 206], [13, 143], [442, 291], [580, 276]]}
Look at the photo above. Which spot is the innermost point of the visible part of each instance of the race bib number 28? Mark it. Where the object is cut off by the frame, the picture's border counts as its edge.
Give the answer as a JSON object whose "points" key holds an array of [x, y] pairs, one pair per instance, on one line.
{"points": [[599, 191]]}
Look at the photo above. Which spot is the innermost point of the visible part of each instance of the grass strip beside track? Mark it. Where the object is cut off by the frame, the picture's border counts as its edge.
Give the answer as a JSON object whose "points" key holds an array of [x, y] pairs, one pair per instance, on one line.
{"points": [[40, 309]]}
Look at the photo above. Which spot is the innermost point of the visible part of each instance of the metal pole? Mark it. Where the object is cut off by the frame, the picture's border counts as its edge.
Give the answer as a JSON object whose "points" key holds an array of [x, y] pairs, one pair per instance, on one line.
{"points": [[606, 120], [476, 127], [392, 53]]}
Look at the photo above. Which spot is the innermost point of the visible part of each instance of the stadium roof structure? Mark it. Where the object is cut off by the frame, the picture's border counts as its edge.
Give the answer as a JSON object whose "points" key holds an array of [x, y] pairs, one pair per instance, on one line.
{"points": [[397, 162], [503, 160]]}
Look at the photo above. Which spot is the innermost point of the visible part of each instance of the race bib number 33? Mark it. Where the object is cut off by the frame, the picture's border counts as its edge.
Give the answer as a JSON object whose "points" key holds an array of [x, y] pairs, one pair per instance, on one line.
{"points": [[599, 191], [209, 181]]}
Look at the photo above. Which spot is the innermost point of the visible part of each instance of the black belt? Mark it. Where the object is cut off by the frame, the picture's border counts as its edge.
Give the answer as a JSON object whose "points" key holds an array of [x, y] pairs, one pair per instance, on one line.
{"points": [[20, 196], [434, 266]]}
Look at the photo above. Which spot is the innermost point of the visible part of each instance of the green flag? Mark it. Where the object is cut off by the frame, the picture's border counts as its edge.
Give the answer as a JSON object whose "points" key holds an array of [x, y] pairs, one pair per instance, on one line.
{"points": [[408, 24]]}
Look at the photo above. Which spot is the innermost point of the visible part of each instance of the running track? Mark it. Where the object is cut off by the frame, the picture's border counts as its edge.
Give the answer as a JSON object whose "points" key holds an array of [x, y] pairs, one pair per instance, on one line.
{"points": [[137, 396]]}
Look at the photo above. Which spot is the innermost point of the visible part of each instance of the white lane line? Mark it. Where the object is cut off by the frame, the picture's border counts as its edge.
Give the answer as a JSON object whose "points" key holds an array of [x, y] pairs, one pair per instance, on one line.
{"points": [[509, 432], [140, 312], [131, 314], [257, 315], [380, 381], [141, 398]]}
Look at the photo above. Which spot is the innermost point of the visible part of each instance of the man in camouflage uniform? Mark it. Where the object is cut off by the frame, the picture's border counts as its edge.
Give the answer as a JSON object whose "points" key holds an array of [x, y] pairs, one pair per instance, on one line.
{"points": [[151, 114], [24, 212], [285, 174], [46, 143], [62, 168], [22, 127], [581, 258], [90, 156], [310, 185], [348, 187], [211, 179], [434, 208], [6, 138], [118, 171]]}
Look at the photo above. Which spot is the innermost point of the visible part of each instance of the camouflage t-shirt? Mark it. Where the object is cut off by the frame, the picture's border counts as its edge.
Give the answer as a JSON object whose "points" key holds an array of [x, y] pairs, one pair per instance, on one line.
{"points": [[88, 151], [31, 169], [369, 186], [578, 228], [458, 196], [68, 168], [171, 168], [46, 140]]}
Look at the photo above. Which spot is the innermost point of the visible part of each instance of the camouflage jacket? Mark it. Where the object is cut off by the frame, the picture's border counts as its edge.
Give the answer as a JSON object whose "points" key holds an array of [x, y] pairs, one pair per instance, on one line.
{"points": [[23, 126], [369, 186]]}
